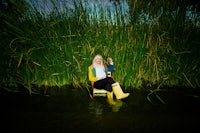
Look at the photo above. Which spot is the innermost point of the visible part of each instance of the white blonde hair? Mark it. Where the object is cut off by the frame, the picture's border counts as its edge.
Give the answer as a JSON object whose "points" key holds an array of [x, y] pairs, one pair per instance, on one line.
{"points": [[94, 64]]}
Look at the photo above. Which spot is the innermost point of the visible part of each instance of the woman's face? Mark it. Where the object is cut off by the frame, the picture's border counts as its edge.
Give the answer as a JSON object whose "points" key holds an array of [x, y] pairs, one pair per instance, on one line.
{"points": [[98, 60]]}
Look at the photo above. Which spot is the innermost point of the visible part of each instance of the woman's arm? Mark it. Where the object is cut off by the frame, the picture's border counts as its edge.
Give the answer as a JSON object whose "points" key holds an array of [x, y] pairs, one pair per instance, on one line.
{"points": [[91, 75]]}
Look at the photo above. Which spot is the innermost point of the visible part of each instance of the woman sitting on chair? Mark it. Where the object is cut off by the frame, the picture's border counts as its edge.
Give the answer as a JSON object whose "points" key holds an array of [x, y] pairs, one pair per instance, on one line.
{"points": [[100, 74]]}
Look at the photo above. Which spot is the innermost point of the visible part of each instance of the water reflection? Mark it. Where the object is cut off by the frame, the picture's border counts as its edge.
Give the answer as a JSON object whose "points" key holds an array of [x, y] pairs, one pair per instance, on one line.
{"points": [[96, 107], [117, 106], [99, 105]]}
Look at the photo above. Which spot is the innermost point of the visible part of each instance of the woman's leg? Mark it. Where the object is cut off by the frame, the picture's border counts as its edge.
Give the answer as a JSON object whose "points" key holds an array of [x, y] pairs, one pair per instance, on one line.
{"points": [[104, 84]]}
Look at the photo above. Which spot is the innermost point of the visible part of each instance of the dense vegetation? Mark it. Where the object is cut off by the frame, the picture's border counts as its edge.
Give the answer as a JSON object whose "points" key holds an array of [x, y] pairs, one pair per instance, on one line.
{"points": [[161, 50]]}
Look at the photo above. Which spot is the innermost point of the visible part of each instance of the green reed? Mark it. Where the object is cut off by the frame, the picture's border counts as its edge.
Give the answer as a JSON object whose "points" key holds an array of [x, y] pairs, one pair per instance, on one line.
{"points": [[57, 51]]}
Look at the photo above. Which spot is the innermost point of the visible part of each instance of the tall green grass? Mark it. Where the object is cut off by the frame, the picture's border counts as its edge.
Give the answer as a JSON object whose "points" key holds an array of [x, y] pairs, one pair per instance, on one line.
{"points": [[57, 51]]}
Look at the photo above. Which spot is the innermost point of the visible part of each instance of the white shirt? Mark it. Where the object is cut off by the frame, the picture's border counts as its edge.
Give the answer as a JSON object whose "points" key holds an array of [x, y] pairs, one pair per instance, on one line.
{"points": [[100, 73]]}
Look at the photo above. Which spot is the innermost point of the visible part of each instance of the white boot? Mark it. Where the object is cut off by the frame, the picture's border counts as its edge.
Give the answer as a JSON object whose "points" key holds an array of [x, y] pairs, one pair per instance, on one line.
{"points": [[118, 91]]}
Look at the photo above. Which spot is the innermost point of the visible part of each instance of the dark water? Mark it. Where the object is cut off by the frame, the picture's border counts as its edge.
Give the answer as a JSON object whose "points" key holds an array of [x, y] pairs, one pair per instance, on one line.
{"points": [[72, 110]]}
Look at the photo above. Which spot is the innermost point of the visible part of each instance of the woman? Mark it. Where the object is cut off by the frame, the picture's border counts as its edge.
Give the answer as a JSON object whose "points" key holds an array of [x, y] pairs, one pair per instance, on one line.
{"points": [[99, 72]]}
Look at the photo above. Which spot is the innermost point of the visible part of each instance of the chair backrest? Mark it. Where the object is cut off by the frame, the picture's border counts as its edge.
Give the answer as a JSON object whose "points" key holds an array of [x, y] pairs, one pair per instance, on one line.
{"points": [[92, 84]]}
